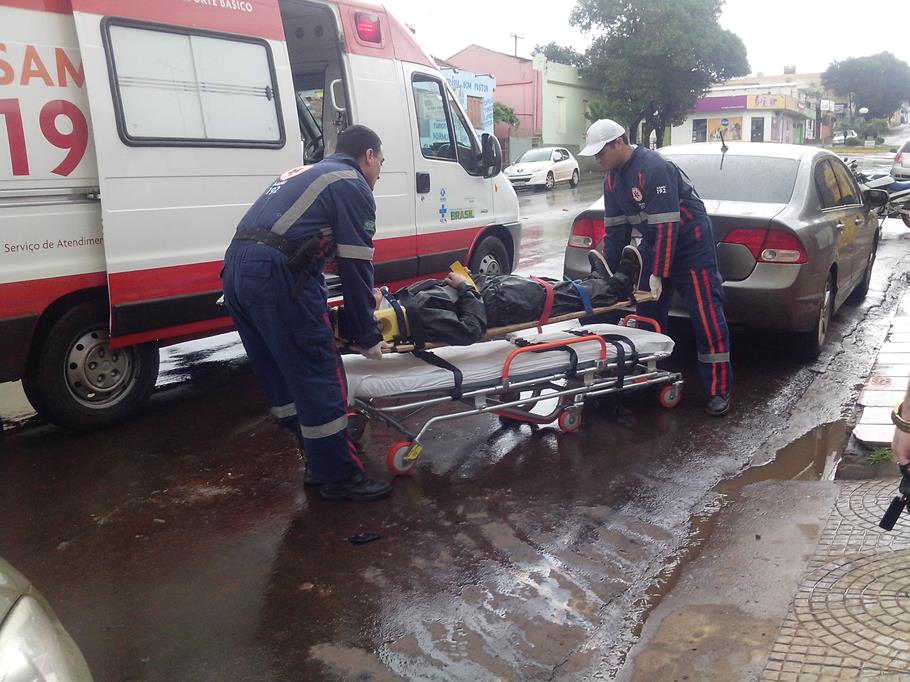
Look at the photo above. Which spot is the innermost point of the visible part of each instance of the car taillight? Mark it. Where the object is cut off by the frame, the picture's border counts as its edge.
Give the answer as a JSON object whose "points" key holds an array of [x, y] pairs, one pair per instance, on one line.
{"points": [[368, 27], [898, 158], [587, 233], [769, 246]]}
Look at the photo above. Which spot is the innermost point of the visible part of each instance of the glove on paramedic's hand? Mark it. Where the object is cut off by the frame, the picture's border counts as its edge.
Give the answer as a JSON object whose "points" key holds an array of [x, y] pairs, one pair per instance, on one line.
{"points": [[656, 285]]}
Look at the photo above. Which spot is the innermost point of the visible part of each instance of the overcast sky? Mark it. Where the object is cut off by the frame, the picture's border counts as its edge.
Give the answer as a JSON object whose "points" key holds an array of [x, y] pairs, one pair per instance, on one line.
{"points": [[807, 33]]}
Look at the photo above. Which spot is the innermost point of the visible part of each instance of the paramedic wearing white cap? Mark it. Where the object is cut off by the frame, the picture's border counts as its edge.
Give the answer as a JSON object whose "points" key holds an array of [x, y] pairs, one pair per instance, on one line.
{"points": [[645, 191]]}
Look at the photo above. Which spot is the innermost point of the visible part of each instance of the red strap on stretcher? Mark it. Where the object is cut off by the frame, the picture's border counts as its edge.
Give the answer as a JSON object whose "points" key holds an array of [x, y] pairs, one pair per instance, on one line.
{"points": [[547, 304]]}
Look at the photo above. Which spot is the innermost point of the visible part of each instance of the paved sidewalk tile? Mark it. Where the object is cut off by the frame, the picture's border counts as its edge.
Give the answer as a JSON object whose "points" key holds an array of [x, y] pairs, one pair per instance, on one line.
{"points": [[880, 398], [893, 359], [892, 371], [892, 346], [874, 435], [849, 618], [876, 415], [883, 382]]}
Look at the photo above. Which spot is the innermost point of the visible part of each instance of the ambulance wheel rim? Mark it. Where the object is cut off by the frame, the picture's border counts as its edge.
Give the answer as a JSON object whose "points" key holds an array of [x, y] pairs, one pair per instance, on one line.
{"points": [[489, 265], [96, 374], [669, 397], [397, 460]]}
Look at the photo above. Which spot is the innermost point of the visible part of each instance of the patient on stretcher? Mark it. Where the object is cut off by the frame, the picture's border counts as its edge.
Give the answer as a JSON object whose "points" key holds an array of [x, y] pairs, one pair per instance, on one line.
{"points": [[458, 311]]}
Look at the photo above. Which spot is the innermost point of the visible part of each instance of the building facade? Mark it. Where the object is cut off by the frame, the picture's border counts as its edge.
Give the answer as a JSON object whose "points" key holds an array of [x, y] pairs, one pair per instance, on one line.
{"points": [[475, 94], [549, 99], [790, 108]]}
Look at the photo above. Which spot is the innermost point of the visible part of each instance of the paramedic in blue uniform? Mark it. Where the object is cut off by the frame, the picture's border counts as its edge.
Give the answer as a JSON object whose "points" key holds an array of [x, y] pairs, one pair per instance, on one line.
{"points": [[275, 290], [645, 191]]}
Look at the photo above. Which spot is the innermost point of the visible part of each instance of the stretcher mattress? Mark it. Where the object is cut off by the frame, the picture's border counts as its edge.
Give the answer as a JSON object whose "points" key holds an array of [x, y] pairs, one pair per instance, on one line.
{"points": [[481, 364]]}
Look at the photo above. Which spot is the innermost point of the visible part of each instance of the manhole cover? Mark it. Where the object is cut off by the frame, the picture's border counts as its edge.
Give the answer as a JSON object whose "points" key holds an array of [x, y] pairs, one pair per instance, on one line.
{"points": [[859, 607]]}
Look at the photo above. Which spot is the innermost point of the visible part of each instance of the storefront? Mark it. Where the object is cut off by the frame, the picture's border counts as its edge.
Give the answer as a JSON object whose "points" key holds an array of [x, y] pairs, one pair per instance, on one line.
{"points": [[750, 118]]}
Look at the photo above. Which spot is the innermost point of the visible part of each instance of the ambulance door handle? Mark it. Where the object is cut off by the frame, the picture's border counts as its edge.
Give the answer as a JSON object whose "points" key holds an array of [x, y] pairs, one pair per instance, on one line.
{"points": [[423, 183], [332, 85]]}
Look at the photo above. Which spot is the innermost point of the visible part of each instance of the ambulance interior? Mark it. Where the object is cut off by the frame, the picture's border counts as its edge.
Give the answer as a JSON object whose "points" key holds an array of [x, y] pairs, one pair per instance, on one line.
{"points": [[312, 33]]}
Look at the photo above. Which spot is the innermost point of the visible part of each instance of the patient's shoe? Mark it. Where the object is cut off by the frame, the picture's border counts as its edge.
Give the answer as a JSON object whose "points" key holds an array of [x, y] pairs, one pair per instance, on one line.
{"points": [[599, 267], [628, 272]]}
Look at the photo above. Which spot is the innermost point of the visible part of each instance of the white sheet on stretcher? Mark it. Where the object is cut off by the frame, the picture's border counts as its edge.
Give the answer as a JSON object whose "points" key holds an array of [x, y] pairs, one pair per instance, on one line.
{"points": [[481, 364]]}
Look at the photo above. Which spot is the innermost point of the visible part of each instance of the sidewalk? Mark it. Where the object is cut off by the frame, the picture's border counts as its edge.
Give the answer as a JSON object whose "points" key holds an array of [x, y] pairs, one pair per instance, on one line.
{"points": [[797, 581]]}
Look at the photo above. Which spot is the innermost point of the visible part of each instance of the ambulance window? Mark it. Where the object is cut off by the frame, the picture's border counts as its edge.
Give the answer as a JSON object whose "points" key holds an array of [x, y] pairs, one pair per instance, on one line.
{"points": [[464, 139], [432, 121], [198, 90]]}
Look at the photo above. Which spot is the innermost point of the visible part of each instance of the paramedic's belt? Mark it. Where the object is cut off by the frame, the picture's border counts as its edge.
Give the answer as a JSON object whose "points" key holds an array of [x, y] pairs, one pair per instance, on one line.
{"points": [[300, 257]]}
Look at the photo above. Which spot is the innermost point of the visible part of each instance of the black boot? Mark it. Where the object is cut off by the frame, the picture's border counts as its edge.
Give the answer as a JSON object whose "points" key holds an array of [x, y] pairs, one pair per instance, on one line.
{"points": [[599, 267], [718, 405], [358, 488], [628, 272]]}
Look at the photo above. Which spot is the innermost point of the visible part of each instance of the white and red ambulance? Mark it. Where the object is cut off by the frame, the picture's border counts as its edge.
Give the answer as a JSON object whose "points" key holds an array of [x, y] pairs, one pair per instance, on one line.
{"points": [[133, 136]]}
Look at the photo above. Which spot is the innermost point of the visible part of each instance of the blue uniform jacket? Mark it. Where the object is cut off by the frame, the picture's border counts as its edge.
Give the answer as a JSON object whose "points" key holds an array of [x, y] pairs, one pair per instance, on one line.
{"points": [[651, 194], [333, 201]]}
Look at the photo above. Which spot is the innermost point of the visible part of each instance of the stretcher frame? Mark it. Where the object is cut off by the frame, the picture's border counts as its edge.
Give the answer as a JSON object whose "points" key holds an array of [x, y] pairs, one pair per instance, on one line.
{"points": [[503, 398]]}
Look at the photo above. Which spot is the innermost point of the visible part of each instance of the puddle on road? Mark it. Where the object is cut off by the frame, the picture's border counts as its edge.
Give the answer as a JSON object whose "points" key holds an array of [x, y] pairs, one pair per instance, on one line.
{"points": [[814, 456]]}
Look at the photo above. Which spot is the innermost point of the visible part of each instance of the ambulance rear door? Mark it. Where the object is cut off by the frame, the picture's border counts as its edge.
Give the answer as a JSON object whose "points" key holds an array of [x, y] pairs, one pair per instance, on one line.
{"points": [[193, 115]]}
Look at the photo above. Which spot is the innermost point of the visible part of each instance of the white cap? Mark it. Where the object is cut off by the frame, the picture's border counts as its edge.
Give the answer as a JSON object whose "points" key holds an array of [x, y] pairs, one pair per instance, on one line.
{"points": [[600, 132]]}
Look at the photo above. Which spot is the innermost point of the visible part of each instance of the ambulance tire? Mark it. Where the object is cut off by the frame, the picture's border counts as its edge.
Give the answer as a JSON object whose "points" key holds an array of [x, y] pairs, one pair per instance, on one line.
{"points": [[74, 347], [490, 258], [906, 219]]}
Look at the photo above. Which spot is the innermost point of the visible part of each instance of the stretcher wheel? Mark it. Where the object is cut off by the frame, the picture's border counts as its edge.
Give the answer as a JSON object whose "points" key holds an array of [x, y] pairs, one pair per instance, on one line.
{"points": [[357, 424], [569, 420], [402, 457], [669, 397]]}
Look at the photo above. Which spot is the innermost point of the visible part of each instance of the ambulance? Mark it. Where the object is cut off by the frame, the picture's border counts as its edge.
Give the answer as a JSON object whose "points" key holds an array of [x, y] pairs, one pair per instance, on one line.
{"points": [[134, 135]]}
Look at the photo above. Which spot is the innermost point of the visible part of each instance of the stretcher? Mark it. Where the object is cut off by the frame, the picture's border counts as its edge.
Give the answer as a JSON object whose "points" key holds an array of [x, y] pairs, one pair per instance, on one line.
{"points": [[555, 369]]}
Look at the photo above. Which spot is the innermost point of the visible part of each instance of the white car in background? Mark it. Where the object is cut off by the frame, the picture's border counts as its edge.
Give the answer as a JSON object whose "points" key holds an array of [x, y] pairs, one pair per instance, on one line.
{"points": [[901, 168], [544, 167]]}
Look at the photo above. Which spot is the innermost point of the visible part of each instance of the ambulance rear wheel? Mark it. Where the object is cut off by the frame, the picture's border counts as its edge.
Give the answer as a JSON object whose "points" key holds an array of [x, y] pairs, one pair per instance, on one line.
{"points": [[906, 219], [490, 258], [81, 383], [402, 457]]}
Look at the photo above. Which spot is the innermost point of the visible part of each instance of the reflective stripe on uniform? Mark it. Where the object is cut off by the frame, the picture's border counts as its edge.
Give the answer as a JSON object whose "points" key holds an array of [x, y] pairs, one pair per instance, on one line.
{"points": [[356, 252], [613, 221], [714, 357], [289, 410], [655, 218], [325, 430], [308, 198]]}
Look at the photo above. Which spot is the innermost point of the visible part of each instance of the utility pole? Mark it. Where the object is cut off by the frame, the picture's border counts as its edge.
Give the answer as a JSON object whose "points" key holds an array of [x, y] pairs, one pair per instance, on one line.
{"points": [[517, 38]]}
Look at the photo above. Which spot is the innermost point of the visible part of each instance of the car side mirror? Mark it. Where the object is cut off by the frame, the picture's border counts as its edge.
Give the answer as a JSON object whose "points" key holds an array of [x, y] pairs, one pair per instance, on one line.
{"points": [[876, 198], [491, 155]]}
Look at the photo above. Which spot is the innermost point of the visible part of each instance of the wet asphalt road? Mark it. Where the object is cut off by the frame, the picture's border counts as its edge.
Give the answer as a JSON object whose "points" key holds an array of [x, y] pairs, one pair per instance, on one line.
{"points": [[182, 545]]}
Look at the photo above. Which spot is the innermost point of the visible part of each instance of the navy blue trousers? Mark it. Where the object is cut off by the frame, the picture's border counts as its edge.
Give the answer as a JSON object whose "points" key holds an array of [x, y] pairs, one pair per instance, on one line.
{"points": [[288, 338], [694, 275]]}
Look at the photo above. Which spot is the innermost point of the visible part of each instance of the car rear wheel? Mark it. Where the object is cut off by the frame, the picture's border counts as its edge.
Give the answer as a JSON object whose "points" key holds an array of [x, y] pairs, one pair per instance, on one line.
{"points": [[906, 219], [490, 258], [813, 342], [574, 181], [551, 182]]}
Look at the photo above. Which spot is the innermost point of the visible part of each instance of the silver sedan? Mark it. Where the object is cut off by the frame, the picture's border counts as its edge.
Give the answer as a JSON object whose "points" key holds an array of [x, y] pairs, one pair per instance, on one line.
{"points": [[795, 235]]}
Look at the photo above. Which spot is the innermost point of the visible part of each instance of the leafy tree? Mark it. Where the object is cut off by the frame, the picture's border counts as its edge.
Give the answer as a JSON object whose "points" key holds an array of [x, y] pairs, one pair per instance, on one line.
{"points": [[597, 110], [879, 82], [561, 54], [655, 58], [504, 114]]}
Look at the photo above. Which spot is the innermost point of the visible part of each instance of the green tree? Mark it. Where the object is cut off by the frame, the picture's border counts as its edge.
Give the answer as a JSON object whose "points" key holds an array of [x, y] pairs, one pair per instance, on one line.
{"points": [[561, 54], [879, 82], [504, 114], [655, 58]]}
